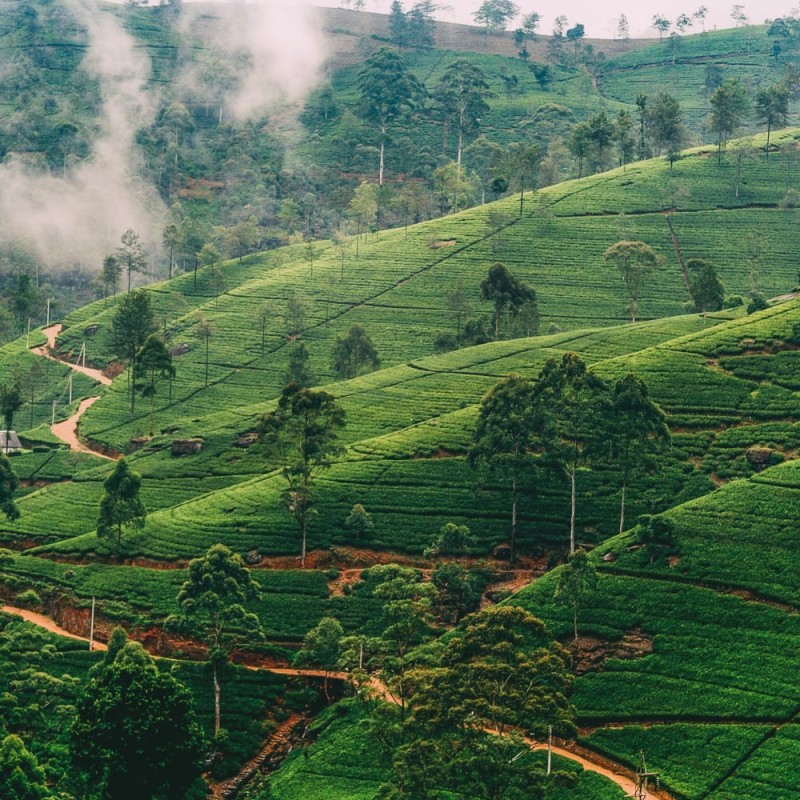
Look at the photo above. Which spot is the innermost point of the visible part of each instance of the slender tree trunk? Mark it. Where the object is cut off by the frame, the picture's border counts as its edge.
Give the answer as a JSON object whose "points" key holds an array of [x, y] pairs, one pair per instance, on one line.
{"points": [[460, 148], [622, 509], [383, 148], [207, 361], [513, 519], [575, 621], [217, 715], [572, 477], [769, 130], [304, 533]]}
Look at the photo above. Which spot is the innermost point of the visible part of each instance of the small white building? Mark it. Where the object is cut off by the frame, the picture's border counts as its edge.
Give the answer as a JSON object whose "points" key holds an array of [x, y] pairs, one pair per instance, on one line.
{"points": [[9, 443]]}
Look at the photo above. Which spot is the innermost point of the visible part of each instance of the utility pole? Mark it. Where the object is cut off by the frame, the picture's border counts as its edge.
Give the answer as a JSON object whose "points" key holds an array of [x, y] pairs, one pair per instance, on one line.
{"points": [[70, 388], [643, 780], [549, 748]]}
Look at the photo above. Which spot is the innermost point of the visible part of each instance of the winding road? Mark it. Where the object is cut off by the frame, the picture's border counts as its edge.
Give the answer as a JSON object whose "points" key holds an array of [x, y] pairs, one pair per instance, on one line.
{"points": [[590, 761], [67, 430]]}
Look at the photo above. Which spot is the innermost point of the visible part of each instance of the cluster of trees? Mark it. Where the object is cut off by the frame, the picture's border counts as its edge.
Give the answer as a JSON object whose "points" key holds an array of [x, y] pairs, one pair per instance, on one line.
{"points": [[567, 419], [657, 129]]}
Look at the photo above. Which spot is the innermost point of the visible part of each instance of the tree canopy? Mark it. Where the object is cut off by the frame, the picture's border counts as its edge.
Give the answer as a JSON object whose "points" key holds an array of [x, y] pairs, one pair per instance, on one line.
{"points": [[136, 733], [121, 505], [301, 435], [506, 292]]}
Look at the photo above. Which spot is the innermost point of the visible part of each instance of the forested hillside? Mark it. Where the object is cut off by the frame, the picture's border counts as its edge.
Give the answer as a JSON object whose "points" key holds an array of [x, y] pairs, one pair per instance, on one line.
{"points": [[426, 417]]}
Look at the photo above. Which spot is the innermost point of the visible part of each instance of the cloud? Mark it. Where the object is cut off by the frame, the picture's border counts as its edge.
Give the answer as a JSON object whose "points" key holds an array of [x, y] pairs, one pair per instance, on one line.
{"points": [[278, 49], [79, 215]]}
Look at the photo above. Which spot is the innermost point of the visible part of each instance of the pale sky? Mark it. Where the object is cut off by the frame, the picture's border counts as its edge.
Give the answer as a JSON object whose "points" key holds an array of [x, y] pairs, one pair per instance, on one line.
{"points": [[600, 18]]}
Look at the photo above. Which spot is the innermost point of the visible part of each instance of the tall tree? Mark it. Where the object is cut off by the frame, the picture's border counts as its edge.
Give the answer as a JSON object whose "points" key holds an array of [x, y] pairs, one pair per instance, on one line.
{"points": [[388, 90], [461, 94], [577, 582], [10, 403], [498, 672], [130, 254], [706, 288], [665, 125], [729, 104], [496, 15], [301, 434], [171, 239], [623, 136], [507, 292], [772, 109], [212, 605], [154, 361], [204, 331], [9, 483], [354, 353], [132, 323], [321, 647], [635, 261], [363, 210], [112, 269], [522, 163], [398, 25], [298, 370], [570, 408], [504, 435], [121, 505], [638, 432], [662, 25], [136, 733]]}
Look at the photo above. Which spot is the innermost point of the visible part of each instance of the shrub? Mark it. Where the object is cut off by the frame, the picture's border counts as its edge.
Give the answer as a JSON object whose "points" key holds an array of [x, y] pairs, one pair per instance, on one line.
{"points": [[757, 303], [733, 301], [29, 599]]}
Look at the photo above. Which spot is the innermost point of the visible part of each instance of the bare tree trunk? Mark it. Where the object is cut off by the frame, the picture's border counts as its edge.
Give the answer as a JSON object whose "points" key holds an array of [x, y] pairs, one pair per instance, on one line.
{"points": [[622, 510], [383, 146], [572, 512], [513, 518], [304, 530], [217, 716]]}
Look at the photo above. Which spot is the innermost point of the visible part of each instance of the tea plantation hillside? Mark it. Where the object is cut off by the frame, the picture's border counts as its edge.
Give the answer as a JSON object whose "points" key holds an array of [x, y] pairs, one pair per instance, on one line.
{"points": [[557, 246]]}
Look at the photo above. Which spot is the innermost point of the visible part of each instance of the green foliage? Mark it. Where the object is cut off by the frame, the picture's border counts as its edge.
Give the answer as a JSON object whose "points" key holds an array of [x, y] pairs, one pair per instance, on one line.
{"points": [[121, 505], [635, 261], [354, 354], [21, 777], [136, 733], [9, 483], [302, 435], [577, 582], [212, 605], [707, 291], [359, 524]]}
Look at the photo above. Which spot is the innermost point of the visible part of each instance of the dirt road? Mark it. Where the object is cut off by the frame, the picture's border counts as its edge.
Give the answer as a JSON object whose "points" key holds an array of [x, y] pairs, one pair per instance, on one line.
{"points": [[588, 760], [67, 430]]}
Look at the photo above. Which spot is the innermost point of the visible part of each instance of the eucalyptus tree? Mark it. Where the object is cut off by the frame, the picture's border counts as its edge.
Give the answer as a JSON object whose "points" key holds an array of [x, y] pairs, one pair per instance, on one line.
{"points": [[729, 104], [461, 95], [388, 90], [213, 606], [637, 433], [301, 437], [504, 437], [772, 109], [571, 409], [635, 261]]}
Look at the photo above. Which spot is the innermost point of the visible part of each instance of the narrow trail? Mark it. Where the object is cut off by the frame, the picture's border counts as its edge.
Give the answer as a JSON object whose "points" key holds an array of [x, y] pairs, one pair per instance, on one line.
{"points": [[48, 624], [589, 760], [278, 744], [47, 350], [67, 430]]}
